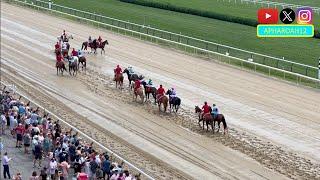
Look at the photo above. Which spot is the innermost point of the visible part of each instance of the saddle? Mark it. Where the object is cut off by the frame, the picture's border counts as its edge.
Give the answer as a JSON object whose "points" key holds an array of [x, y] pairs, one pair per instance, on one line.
{"points": [[159, 97]]}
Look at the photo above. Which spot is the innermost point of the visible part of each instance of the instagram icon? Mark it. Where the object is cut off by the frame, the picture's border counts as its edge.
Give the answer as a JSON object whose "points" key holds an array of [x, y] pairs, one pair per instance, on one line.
{"points": [[305, 16]]}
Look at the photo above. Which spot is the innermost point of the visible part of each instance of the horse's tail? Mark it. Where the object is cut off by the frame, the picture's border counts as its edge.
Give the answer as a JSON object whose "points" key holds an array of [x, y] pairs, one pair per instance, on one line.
{"points": [[224, 122]]}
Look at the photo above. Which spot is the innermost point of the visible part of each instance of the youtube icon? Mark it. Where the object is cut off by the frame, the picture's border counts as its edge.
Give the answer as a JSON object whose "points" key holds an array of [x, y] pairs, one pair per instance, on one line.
{"points": [[268, 16]]}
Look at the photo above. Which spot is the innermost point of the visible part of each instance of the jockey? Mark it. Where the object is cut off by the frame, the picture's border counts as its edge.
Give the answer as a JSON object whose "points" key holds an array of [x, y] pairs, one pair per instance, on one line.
{"points": [[173, 94], [130, 69], [205, 108], [74, 52], [214, 111], [137, 85], [100, 40], [89, 40], [150, 83], [64, 35], [80, 53], [160, 92]]}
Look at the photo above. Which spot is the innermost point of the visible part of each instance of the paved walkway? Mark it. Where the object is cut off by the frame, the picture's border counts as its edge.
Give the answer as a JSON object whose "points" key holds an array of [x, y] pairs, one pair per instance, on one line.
{"points": [[20, 162]]}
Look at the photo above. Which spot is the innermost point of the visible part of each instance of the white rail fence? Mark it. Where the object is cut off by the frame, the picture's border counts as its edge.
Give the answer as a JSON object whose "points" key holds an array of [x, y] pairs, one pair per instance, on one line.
{"points": [[276, 4], [141, 32], [15, 91]]}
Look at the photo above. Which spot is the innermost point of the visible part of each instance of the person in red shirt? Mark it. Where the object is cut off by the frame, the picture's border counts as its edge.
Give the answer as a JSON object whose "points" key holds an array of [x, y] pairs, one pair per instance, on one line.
{"points": [[205, 109], [160, 92], [57, 46], [74, 52], [58, 58], [100, 40], [137, 85], [117, 71], [19, 131]]}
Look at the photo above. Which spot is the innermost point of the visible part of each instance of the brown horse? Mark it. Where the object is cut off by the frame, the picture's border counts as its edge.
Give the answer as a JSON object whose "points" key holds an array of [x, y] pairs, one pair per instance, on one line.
{"points": [[83, 62], [85, 46], [208, 118], [60, 67], [162, 99], [139, 92], [119, 80]]}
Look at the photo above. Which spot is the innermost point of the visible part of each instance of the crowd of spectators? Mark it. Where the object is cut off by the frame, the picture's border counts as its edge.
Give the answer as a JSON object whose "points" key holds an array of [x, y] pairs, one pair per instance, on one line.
{"points": [[58, 153]]}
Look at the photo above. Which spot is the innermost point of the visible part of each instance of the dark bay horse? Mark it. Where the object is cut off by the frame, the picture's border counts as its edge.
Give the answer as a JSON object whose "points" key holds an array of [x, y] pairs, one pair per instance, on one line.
{"points": [[208, 118], [83, 62], [162, 99], [149, 90], [85, 46], [96, 45], [132, 77], [174, 102], [60, 67]]}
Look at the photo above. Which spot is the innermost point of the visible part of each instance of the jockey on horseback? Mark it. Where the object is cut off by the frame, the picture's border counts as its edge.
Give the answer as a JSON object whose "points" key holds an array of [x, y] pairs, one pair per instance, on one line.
{"points": [[80, 53], [64, 36], [205, 109], [160, 92], [214, 111], [173, 94], [89, 40], [130, 69], [137, 85], [74, 52], [117, 71], [100, 40]]}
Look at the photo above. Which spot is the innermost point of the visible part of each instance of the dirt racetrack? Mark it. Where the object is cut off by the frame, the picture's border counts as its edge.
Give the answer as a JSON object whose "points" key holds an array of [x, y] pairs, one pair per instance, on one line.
{"points": [[272, 122]]}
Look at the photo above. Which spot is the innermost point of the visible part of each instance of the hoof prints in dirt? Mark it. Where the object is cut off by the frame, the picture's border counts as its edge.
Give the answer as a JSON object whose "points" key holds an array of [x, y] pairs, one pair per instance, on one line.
{"points": [[272, 156]]}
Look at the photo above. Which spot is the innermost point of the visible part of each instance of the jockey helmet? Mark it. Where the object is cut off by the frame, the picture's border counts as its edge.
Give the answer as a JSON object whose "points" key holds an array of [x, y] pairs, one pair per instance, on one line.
{"points": [[213, 105], [118, 65], [205, 102], [160, 85], [172, 88]]}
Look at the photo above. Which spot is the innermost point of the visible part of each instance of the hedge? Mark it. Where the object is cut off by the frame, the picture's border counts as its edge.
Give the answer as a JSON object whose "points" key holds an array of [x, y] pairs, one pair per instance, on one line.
{"points": [[207, 14]]}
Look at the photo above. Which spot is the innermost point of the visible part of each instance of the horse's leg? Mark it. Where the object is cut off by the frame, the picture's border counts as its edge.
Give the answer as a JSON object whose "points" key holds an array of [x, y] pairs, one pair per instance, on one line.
{"points": [[219, 122], [203, 124], [57, 71], [214, 126]]}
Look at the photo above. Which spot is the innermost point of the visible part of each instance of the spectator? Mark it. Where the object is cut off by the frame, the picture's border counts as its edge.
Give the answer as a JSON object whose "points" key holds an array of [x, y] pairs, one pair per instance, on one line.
{"points": [[3, 122], [19, 132], [99, 174], [43, 174], [53, 168], [5, 163], [106, 167], [82, 176], [17, 176], [13, 122], [37, 154], [127, 175], [26, 142], [65, 168], [93, 168], [77, 165], [34, 176], [47, 144]]}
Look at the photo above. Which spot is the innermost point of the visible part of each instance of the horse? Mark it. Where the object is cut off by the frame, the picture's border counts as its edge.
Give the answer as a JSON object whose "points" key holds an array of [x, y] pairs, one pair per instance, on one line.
{"points": [[139, 92], [85, 46], [60, 67], [149, 90], [210, 120], [83, 62], [73, 65], [96, 45], [64, 38], [174, 102], [162, 99], [119, 80], [132, 77]]}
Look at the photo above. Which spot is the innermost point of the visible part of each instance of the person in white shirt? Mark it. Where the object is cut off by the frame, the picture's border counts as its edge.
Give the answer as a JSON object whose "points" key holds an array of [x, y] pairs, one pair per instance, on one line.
{"points": [[5, 163]]}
